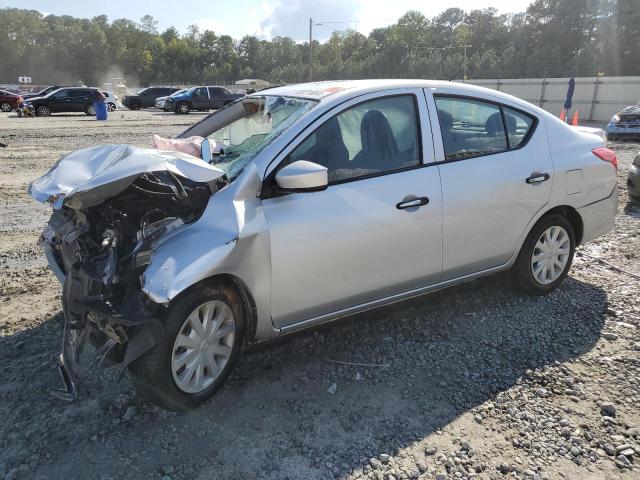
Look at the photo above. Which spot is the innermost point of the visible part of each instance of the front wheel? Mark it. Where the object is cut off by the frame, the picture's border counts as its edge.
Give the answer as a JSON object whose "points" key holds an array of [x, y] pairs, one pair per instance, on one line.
{"points": [[111, 106], [203, 331], [43, 111], [546, 256], [183, 107]]}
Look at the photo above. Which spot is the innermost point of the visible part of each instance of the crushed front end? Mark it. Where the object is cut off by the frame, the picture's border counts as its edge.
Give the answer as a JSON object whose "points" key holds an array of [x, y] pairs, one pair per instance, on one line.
{"points": [[99, 243]]}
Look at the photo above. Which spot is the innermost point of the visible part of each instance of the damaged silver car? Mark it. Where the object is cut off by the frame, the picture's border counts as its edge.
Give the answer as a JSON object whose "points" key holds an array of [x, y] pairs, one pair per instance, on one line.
{"points": [[310, 203]]}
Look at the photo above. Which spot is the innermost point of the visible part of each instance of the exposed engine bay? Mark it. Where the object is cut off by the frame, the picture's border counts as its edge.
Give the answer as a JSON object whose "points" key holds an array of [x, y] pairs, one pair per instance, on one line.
{"points": [[99, 248]]}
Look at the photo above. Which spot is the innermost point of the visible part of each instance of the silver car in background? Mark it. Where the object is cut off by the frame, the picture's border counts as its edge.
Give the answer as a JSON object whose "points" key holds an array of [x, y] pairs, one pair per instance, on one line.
{"points": [[314, 202]]}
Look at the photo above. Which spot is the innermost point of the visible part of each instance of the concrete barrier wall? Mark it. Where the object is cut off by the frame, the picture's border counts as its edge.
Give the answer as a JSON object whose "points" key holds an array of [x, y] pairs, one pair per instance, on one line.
{"points": [[596, 98]]}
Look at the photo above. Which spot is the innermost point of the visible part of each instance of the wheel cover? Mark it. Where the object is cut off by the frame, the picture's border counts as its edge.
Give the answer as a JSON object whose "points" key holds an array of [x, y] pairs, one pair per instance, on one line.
{"points": [[6, 107], [203, 346], [91, 109], [43, 110], [183, 108], [550, 255]]}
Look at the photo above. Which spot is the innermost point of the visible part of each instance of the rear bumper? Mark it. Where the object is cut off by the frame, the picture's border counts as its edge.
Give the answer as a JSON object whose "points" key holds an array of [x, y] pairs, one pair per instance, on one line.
{"points": [[633, 181], [598, 217]]}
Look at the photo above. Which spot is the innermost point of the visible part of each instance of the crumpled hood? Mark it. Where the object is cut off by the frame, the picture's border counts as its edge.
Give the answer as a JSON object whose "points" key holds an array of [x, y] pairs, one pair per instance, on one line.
{"points": [[630, 110], [89, 176]]}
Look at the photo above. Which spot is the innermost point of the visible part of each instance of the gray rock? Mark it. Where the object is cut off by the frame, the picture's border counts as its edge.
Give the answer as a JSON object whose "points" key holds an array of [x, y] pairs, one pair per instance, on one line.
{"points": [[431, 450], [609, 336], [130, 413], [608, 409]]}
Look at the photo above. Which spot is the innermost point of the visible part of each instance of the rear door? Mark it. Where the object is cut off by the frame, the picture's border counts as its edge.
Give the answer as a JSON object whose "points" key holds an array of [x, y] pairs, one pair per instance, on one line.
{"points": [[376, 231], [79, 99], [496, 175]]}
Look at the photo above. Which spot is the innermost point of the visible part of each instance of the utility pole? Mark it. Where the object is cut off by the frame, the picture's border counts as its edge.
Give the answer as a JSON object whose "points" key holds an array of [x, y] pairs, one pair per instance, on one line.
{"points": [[464, 79], [310, 46]]}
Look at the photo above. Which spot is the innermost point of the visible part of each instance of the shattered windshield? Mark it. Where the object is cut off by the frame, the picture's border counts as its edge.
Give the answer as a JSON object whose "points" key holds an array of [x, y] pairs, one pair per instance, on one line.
{"points": [[256, 122]]}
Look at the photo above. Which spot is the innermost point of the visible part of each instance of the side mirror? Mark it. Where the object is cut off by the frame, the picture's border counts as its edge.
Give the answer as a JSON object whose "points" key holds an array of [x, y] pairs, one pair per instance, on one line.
{"points": [[302, 176], [205, 149]]}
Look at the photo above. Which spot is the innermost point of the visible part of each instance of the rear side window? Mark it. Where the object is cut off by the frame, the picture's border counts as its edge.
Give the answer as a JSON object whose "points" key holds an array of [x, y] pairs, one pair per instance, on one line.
{"points": [[470, 128], [518, 126], [216, 91], [473, 128]]}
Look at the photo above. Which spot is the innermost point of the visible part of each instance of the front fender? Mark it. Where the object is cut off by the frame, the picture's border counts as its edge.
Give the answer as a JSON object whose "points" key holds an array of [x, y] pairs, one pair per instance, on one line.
{"points": [[231, 237]]}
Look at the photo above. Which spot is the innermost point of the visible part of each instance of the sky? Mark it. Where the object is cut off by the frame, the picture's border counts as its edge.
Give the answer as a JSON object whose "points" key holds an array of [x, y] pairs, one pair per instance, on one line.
{"points": [[263, 18]]}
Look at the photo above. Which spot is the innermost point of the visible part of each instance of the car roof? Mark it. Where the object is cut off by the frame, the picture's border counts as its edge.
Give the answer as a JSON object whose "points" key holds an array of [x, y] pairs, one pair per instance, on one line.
{"points": [[320, 90], [336, 91]]}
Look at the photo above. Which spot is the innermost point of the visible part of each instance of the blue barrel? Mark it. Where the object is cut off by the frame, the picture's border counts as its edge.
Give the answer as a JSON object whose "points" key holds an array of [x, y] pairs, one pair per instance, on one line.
{"points": [[101, 110]]}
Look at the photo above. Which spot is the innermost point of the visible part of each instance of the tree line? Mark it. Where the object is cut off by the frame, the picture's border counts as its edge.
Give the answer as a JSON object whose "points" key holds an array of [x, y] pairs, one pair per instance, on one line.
{"points": [[552, 38]]}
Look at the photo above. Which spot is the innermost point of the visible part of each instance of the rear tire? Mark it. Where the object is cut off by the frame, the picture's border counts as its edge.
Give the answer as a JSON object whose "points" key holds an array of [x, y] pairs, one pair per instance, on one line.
{"points": [[90, 110], [6, 107], [546, 255], [43, 111], [155, 375]]}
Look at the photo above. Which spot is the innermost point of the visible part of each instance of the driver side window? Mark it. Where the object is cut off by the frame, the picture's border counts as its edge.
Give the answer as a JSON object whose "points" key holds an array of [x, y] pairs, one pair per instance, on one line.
{"points": [[367, 139]]}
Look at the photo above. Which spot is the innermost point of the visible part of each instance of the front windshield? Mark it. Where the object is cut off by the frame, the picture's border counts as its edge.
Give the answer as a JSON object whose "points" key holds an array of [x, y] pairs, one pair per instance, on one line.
{"points": [[179, 92], [252, 124]]}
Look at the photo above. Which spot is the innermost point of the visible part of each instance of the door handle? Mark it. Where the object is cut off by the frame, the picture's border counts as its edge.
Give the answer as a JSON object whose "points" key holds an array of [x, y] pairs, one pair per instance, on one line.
{"points": [[414, 202], [537, 178]]}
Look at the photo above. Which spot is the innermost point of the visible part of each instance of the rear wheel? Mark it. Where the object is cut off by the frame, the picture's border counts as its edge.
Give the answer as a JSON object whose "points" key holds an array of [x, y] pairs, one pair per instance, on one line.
{"points": [[43, 111], [111, 106], [203, 331], [546, 256], [5, 107], [90, 109], [183, 107]]}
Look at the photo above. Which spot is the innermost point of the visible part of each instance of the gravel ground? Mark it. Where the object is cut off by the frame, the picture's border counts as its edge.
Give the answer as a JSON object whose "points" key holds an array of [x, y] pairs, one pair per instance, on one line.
{"points": [[478, 381]]}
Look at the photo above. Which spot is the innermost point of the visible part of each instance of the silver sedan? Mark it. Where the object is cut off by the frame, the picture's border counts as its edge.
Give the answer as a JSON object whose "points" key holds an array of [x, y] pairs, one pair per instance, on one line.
{"points": [[313, 202]]}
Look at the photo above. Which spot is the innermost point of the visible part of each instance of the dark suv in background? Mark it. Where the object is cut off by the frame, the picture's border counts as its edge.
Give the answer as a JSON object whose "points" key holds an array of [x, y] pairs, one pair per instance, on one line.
{"points": [[147, 97], [43, 92], [200, 98], [68, 99]]}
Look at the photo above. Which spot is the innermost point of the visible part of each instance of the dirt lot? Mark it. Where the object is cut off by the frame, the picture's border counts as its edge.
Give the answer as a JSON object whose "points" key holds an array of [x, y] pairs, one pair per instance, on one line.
{"points": [[475, 382]]}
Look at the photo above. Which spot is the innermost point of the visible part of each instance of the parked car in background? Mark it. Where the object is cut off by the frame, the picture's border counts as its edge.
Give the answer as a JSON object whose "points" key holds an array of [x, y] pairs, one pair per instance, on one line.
{"points": [[625, 125], [200, 98], [323, 200], [111, 99], [146, 97], [9, 101], [161, 101], [633, 180], [68, 99], [43, 92]]}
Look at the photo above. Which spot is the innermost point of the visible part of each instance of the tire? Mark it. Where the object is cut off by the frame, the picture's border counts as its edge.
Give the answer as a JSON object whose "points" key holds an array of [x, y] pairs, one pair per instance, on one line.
{"points": [[111, 106], [6, 107], [524, 269], [43, 111], [135, 105], [90, 110], [183, 108], [154, 375]]}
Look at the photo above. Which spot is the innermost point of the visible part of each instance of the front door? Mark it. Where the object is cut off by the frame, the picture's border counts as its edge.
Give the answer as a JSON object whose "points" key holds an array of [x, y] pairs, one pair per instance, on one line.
{"points": [[376, 231], [496, 176], [200, 98]]}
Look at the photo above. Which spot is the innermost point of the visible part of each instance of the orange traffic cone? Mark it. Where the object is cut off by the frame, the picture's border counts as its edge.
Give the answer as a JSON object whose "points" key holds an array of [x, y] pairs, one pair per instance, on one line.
{"points": [[574, 120], [562, 115]]}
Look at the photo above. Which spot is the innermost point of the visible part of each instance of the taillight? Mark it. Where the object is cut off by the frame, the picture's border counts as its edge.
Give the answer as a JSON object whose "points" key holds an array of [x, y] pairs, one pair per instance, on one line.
{"points": [[606, 155]]}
